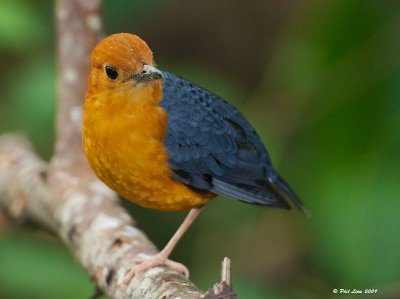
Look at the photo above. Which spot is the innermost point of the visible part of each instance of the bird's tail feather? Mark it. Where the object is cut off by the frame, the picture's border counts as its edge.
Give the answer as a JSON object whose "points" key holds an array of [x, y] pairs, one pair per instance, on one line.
{"points": [[250, 194], [275, 193], [283, 189]]}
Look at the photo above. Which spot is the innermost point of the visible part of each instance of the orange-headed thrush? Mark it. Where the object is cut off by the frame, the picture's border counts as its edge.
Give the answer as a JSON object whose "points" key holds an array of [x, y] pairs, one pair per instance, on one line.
{"points": [[168, 144]]}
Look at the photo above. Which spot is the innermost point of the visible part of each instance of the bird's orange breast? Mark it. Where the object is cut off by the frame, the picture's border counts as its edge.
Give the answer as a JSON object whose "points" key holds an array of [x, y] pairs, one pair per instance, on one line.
{"points": [[123, 142]]}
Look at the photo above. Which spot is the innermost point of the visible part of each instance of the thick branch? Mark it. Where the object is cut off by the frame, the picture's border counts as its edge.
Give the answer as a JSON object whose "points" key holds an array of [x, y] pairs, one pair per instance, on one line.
{"points": [[89, 219]]}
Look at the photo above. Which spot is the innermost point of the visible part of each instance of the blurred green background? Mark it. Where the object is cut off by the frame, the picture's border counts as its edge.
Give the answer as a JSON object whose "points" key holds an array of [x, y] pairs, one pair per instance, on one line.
{"points": [[319, 80]]}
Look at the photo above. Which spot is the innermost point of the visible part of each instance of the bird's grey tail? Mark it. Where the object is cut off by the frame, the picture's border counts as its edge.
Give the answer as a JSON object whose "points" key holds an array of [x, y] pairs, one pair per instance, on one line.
{"points": [[282, 188], [274, 192], [264, 195]]}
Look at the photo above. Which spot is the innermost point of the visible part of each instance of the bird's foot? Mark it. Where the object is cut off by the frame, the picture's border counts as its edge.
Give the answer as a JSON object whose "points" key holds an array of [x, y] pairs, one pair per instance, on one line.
{"points": [[160, 259]]}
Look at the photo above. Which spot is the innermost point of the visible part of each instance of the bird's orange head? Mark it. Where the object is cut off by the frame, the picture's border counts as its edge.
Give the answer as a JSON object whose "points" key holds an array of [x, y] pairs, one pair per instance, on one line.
{"points": [[123, 63]]}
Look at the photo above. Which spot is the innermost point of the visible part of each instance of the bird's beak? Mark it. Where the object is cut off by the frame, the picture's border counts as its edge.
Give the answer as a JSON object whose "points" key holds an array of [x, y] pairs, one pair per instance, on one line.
{"points": [[148, 73]]}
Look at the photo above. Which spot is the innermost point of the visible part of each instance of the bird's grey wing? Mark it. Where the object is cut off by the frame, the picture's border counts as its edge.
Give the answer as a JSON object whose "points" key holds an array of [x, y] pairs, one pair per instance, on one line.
{"points": [[212, 148]]}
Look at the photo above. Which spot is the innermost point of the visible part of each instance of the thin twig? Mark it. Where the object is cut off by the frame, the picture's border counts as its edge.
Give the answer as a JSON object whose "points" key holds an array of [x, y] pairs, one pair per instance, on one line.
{"points": [[222, 290], [226, 271]]}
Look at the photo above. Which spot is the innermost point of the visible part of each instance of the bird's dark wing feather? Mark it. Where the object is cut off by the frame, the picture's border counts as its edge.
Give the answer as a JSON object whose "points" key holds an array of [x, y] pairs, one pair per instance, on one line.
{"points": [[212, 148]]}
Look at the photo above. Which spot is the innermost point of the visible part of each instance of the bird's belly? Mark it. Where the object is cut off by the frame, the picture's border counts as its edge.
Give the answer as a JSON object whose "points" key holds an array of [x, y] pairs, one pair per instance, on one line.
{"points": [[136, 167]]}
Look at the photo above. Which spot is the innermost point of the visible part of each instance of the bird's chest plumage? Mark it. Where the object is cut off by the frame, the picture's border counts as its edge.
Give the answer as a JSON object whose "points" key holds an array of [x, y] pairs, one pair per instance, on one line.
{"points": [[124, 143]]}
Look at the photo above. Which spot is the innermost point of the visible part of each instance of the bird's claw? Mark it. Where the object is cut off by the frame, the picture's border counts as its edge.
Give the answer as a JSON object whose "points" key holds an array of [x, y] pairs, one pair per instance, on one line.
{"points": [[144, 264]]}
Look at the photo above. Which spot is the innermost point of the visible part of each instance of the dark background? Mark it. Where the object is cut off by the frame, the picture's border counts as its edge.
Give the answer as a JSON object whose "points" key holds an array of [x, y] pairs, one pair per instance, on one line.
{"points": [[319, 80]]}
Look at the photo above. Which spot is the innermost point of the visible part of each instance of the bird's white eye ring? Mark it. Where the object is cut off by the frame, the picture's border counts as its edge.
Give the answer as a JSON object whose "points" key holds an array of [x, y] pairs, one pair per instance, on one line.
{"points": [[111, 73]]}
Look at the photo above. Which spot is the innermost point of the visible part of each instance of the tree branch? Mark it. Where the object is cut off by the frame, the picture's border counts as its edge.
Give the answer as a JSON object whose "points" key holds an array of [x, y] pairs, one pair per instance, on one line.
{"points": [[65, 196], [88, 217]]}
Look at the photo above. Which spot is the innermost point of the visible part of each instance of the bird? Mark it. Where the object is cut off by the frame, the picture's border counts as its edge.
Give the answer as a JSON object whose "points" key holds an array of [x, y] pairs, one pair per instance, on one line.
{"points": [[167, 144]]}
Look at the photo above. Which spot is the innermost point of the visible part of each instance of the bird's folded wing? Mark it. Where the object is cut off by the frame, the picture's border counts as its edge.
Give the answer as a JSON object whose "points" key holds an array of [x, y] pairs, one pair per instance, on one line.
{"points": [[212, 148]]}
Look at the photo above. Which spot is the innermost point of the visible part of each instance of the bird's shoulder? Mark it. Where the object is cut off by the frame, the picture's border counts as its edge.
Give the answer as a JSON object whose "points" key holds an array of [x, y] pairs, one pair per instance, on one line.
{"points": [[198, 116]]}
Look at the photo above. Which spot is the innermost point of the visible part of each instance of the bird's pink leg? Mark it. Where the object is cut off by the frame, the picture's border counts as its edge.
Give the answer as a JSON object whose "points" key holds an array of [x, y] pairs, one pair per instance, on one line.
{"points": [[162, 257]]}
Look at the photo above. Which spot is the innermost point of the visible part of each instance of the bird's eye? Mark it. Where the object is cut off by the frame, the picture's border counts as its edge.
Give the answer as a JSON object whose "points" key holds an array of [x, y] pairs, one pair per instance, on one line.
{"points": [[111, 73]]}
